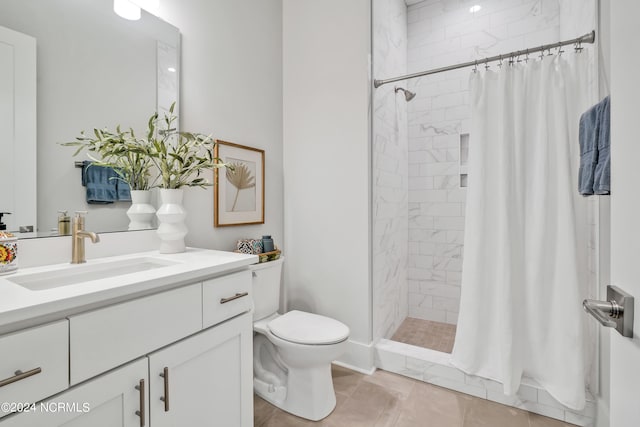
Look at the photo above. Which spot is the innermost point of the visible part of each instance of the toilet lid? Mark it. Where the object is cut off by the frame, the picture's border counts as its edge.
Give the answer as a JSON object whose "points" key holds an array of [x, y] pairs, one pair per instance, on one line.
{"points": [[306, 328]]}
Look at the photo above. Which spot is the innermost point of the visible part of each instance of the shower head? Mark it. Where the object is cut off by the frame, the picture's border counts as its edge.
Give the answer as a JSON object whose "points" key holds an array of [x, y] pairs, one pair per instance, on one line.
{"points": [[408, 95]]}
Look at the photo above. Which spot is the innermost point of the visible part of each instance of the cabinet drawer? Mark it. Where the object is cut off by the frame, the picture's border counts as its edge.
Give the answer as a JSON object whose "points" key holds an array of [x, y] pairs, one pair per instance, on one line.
{"points": [[225, 297], [103, 339], [42, 355]]}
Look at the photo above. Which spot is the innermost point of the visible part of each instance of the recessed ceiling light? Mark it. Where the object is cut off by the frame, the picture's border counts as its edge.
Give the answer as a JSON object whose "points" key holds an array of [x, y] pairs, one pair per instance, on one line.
{"points": [[475, 8], [171, 70], [126, 9]]}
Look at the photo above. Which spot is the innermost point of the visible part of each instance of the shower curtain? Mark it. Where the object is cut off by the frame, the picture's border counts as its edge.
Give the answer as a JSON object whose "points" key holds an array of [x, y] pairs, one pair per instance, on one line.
{"points": [[524, 267]]}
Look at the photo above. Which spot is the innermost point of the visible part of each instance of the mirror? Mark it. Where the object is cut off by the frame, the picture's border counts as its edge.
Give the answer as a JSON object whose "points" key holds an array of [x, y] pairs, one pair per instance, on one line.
{"points": [[94, 70]]}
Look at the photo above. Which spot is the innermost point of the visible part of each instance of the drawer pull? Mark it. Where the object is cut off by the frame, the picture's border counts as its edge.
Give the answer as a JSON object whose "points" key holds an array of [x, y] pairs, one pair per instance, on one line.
{"points": [[141, 412], [165, 398], [236, 296], [19, 375]]}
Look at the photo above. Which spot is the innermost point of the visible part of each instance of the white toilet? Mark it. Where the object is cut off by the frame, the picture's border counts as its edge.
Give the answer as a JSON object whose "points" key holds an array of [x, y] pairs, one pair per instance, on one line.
{"points": [[292, 352]]}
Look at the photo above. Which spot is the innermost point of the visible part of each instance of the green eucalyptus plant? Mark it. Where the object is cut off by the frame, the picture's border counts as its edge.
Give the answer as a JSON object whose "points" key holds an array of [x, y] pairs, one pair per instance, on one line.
{"points": [[180, 157]]}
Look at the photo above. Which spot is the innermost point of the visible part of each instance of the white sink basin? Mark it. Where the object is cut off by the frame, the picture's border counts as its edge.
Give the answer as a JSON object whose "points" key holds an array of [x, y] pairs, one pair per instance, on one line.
{"points": [[75, 274]]}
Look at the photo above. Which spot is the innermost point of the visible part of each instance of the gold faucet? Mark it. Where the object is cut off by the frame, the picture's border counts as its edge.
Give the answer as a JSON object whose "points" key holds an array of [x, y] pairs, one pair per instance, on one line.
{"points": [[78, 234]]}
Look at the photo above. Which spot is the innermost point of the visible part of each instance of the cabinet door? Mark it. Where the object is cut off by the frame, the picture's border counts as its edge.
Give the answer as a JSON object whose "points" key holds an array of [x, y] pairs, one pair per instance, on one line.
{"points": [[111, 400], [208, 380]]}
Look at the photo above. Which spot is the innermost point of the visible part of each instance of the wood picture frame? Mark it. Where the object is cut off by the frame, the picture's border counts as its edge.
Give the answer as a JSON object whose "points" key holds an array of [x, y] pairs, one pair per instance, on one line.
{"points": [[238, 193]]}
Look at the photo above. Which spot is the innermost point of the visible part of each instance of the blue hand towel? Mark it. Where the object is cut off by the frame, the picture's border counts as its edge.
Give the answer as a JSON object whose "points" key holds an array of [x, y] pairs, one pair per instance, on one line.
{"points": [[602, 178], [103, 184], [594, 173]]}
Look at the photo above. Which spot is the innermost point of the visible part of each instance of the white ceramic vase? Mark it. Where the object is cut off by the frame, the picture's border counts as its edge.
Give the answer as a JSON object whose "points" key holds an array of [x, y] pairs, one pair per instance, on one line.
{"points": [[141, 212], [171, 227]]}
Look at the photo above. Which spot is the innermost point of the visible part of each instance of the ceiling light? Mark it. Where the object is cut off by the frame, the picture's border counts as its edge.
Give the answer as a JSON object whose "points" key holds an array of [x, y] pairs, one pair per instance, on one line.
{"points": [[171, 70], [126, 10], [475, 8]]}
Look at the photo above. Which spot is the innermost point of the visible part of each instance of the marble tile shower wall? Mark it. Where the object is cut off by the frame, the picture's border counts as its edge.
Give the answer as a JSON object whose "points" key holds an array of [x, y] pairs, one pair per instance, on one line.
{"points": [[390, 171], [440, 33]]}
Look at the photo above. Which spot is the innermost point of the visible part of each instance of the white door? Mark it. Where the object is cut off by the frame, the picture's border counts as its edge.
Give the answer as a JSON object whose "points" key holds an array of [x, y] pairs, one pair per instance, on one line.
{"points": [[110, 400], [17, 128], [625, 205], [208, 380]]}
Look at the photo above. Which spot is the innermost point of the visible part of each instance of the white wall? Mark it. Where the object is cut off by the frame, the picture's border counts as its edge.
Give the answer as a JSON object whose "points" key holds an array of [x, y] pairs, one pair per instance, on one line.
{"points": [[231, 87], [326, 163]]}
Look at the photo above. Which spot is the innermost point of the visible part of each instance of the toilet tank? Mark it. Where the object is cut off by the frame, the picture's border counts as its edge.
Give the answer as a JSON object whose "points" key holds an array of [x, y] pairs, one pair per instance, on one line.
{"points": [[266, 288]]}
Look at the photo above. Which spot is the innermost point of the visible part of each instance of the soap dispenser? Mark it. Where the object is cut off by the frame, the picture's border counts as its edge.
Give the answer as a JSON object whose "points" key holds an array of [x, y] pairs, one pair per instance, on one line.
{"points": [[3, 226], [64, 224]]}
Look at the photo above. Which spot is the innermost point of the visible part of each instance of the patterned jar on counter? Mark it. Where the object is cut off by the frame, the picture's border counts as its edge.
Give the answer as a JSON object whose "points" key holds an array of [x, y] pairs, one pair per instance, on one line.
{"points": [[8, 252]]}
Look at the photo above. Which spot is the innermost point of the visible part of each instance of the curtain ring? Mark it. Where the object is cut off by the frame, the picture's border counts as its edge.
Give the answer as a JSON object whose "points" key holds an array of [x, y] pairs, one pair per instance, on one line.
{"points": [[541, 53], [560, 51], [500, 62], [486, 63], [475, 66], [526, 56]]}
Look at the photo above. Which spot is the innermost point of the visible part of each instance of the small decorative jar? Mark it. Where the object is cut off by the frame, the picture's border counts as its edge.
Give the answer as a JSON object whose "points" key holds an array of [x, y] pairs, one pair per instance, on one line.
{"points": [[8, 252], [267, 244]]}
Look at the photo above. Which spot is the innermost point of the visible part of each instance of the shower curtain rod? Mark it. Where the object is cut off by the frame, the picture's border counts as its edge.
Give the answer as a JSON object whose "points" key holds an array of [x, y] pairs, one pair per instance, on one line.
{"points": [[587, 38]]}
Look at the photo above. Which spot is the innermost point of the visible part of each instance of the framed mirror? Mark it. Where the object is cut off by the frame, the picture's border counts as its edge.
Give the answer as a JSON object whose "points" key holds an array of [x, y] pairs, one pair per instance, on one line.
{"points": [[94, 70]]}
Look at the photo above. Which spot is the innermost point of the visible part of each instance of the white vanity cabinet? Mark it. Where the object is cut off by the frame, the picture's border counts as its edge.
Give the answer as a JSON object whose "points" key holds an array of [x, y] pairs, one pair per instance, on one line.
{"points": [[205, 380], [174, 358], [110, 400]]}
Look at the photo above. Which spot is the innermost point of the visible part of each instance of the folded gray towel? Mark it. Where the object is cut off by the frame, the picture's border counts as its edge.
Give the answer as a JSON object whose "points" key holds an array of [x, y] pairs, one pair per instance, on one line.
{"points": [[594, 173], [602, 178], [103, 185]]}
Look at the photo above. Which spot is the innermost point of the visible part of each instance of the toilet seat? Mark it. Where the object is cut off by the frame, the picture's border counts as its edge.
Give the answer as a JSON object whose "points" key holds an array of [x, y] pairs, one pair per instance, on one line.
{"points": [[307, 328]]}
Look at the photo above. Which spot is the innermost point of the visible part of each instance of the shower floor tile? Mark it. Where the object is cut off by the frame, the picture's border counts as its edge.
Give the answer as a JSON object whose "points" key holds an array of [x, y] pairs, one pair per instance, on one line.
{"points": [[427, 334]]}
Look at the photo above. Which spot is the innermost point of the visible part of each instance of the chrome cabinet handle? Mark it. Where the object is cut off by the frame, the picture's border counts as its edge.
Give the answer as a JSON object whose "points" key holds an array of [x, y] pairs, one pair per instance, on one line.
{"points": [[141, 412], [165, 398], [236, 296], [19, 375]]}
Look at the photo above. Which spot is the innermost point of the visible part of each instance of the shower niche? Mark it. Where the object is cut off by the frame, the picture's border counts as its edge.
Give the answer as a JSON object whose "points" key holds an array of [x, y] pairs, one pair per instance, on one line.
{"points": [[464, 158]]}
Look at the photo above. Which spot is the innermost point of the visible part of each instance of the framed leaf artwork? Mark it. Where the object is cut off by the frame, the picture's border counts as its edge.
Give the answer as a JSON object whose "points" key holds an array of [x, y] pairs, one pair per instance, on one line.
{"points": [[239, 189]]}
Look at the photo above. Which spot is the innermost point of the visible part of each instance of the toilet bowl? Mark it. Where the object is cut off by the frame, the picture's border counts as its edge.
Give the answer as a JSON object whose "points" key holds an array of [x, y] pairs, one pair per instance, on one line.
{"points": [[292, 352]]}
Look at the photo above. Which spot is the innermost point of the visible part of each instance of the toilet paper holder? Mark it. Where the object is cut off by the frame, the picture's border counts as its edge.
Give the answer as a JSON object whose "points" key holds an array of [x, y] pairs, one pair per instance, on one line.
{"points": [[616, 312]]}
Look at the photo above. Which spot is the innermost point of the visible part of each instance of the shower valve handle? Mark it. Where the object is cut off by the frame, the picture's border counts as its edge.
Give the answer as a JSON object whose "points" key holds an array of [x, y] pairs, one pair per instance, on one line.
{"points": [[616, 312]]}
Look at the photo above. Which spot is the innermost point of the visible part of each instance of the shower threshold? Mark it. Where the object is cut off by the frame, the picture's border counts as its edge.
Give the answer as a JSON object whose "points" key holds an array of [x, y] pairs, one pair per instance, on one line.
{"points": [[434, 367]]}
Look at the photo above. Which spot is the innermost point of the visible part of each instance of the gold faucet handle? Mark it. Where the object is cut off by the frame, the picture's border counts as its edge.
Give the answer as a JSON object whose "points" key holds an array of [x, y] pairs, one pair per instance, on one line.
{"points": [[78, 219]]}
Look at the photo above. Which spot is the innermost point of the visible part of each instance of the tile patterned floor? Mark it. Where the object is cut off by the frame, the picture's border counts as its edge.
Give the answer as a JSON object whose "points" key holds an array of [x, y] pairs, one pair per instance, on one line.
{"points": [[389, 400], [425, 333]]}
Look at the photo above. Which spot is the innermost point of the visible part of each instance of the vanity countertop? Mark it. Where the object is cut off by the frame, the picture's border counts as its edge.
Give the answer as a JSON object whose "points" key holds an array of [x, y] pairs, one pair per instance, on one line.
{"points": [[22, 307]]}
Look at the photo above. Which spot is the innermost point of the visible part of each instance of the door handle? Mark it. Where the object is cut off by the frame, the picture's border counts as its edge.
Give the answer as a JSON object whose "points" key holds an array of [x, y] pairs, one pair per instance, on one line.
{"points": [[616, 312]]}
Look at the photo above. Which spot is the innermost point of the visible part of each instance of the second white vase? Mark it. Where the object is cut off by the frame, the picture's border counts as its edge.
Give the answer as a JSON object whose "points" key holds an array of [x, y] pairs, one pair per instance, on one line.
{"points": [[171, 215], [141, 212]]}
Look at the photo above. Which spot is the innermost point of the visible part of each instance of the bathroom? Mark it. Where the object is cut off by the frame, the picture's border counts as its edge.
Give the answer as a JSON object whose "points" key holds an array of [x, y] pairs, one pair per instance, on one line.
{"points": [[294, 78]]}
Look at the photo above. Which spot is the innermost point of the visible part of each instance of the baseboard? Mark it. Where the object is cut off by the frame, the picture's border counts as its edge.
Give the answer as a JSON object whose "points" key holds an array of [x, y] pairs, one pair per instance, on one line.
{"points": [[358, 357]]}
